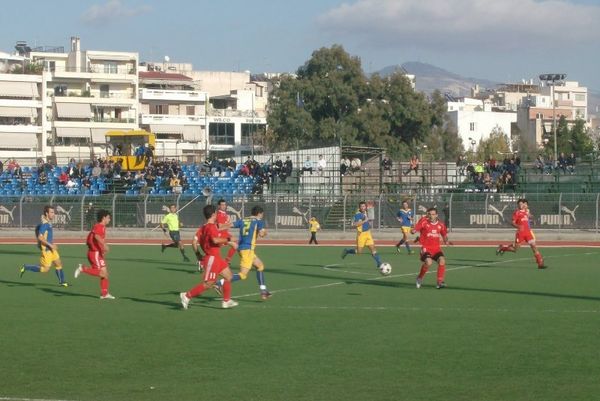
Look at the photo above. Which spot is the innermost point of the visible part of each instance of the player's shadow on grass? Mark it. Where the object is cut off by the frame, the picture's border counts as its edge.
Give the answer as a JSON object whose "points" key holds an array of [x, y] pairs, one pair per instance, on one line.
{"points": [[202, 301], [23, 284], [528, 293], [171, 269], [150, 261], [66, 292], [345, 280]]}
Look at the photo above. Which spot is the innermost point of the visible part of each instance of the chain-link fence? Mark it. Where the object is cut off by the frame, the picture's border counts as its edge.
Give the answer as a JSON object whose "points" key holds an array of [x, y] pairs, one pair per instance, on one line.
{"points": [[459, 210]]}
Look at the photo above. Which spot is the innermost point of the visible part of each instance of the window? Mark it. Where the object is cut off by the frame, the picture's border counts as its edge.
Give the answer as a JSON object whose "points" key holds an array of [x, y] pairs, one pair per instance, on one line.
{"points": [[60, 90], [190, 110], [159, 109], [110, 67], [221, 133], [472, 127], [580, 97], [247, 130], [104, 91]]}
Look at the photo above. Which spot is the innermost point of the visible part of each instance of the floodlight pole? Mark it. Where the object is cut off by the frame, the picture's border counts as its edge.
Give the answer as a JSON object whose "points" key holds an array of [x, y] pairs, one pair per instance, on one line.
{"points": [[552, 78]]}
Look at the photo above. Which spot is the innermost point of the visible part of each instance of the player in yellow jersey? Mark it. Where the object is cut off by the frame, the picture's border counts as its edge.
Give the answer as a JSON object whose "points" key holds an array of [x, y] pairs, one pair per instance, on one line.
{"points": [[313, 227], [49, 251], [363, 235]]}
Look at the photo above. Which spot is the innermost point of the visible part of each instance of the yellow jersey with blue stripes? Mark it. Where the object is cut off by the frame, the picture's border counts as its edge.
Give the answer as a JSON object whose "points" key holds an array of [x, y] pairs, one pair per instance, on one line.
{"points": [[249, 228], [364, 227], [45, 230]]}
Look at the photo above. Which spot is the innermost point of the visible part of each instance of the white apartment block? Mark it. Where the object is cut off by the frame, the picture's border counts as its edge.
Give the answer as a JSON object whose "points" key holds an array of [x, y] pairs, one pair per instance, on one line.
{"points": [[475, 120], [537, 112], [236, 113], [66, 102], [22, 122], [172, 109]]}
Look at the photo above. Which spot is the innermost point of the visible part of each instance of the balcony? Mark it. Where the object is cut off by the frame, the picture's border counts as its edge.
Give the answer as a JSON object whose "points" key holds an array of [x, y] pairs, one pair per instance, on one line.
{"points": [[171, 119], [21, 128], [237, 113], [175, 95]]}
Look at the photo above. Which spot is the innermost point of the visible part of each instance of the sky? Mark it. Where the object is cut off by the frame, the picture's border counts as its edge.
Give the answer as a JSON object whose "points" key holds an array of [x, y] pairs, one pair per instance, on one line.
{"points": [[500, 40]]}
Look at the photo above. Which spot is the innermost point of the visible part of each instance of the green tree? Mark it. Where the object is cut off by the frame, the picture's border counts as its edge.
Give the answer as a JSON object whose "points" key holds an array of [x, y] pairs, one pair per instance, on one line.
{"points": [[331, 100], [496, 144]]}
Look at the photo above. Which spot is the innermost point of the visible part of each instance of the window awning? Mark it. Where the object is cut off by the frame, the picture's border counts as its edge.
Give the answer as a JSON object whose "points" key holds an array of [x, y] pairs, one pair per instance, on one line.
{"points": [[98, 135], [166, 129], [72, 132], [28, 112], [192, 133], [17, 140], [73, 110], [18, 89]]}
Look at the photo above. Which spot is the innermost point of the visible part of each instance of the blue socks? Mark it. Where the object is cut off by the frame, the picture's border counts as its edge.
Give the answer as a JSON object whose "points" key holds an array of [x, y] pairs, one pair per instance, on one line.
{"points": [[377, 258], [61, 275], [32, 268], [260, 277]]}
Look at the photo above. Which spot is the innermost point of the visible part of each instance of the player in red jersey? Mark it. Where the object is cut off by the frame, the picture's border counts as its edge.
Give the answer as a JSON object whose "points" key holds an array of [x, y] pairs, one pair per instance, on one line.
{"points": [[521, 221], [224, 224], [431, 230], [97, 248], [210, 240]]}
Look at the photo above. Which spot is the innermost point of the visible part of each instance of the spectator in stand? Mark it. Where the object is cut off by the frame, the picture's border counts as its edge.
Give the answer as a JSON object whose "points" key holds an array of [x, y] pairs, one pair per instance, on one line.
{"points": [[150, 177], [11, 165], [321, 165], [71, 184], [128, 179], [549, 166], [42, 178], [244, 170], [491, 165], [96, 170], [1, 167], [478, 181], [562, 162], [344, 166], [517, 160], [571, 161], [539, 163], [461, 165], [511, 168], [140, 182], [470, 170], [288, 166], [85, 183], [386, 165], [139, 154], [355, 164], [149, 154], [277, 166], [479, 168], [413, 165], [63, 178], [307, 166], [232, 165], [487, 182]]}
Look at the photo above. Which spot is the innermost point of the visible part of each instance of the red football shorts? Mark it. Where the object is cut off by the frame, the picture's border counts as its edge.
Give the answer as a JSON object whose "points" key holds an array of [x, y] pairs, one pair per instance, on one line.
{"points": [[524, 237], [96, 259], [213, 266]]}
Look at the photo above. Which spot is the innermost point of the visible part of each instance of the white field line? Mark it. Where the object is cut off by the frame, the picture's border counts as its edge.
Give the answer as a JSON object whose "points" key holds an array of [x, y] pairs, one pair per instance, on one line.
{"points": [[405, 274], [417, 309], [28, 399]]}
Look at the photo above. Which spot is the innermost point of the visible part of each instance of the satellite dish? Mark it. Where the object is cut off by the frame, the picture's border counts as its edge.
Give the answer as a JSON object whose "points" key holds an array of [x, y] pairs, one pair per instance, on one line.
{"points": [[167, 59]]}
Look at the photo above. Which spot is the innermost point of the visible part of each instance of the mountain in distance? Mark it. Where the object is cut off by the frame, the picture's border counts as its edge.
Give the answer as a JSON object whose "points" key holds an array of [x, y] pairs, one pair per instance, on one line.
{"points": [[429, 78]]}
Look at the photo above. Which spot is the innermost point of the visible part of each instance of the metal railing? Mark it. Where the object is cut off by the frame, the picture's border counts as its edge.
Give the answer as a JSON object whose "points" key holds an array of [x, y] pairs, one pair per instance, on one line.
{"points": [[559, 211]]}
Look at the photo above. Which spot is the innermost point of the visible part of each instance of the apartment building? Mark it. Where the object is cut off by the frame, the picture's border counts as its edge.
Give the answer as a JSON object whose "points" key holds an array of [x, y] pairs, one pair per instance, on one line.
{"points": [[175, 111], [537, 112], [475, 119], [235, 114], [22, 128]]}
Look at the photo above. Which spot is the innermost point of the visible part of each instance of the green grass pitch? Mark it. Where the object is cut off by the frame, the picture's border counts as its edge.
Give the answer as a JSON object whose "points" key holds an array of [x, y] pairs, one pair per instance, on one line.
{"points": [[333, 330]]}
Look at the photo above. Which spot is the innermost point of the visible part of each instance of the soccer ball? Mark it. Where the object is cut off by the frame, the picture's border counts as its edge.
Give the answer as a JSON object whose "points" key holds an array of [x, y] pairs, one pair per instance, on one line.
{"points": [[385, 269]]}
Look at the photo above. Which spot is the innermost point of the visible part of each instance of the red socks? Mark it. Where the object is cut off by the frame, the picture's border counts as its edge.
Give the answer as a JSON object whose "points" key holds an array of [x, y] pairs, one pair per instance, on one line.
{"points": [[440, 273], [103, 286], [226, 290], [538, 258], [423, 271], [197, 290]]}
